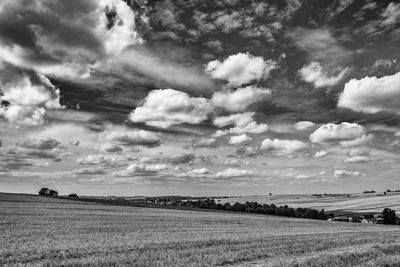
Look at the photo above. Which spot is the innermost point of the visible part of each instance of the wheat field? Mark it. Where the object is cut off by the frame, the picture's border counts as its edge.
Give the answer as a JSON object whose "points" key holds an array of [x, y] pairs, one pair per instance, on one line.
{"points": [[38, 231]]}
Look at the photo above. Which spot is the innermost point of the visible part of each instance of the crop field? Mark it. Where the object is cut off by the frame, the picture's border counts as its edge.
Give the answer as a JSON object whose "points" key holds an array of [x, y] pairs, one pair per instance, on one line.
{"points": [[354, 203], [39, 231]]}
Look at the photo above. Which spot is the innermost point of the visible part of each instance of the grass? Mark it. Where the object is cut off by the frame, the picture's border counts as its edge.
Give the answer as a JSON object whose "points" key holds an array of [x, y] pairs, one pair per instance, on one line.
{"points": [[49, 232]]}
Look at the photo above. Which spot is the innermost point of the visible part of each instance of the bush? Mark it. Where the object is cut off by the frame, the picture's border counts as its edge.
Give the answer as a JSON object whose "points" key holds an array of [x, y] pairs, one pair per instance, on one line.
{"points": [[73, 195]]}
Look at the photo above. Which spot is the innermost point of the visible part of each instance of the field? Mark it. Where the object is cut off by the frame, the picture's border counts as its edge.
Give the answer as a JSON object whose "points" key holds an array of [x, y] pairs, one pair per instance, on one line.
{"points": [[39, 231], [354, 203]]}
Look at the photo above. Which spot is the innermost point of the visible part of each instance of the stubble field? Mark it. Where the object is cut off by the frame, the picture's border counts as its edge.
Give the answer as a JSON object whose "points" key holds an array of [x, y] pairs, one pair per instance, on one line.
{"points": [[39, 231]]}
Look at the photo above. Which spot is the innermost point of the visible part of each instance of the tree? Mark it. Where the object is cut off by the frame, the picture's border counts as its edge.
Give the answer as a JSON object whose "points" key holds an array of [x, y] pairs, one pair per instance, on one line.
{"points": [[389, 216], [73, 195], [44, 191]]}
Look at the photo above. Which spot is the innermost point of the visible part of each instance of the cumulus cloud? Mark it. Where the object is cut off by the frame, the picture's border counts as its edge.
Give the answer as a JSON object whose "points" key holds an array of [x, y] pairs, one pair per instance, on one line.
{"points": [[167, 107], [230, 173], [331, 133], [239, 100], [111, 148], [128, 137], [314, 73], [39, 143], [320, 154], [344, 173], [372, 94], [303, 125], [101, 30], [240, 69], [365, 138], [142, 170], [27, 95], [240, 140], [242, 123], [283, 147], [96, 159]]}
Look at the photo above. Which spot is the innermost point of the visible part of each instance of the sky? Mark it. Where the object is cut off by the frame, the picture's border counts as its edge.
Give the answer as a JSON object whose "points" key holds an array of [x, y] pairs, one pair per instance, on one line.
{"points": [[191, 97]]}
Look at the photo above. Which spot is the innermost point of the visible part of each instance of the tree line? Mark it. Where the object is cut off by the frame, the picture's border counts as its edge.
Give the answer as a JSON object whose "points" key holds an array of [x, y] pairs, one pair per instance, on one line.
{"points": [[253, 207]]}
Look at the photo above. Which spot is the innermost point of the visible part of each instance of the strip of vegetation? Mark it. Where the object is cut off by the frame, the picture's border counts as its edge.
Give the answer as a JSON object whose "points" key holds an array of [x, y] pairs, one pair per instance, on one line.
{"points": [[388, 216]]}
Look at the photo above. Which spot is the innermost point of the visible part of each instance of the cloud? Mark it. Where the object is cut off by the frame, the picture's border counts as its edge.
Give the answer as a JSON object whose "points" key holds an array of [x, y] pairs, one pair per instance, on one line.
{"points": [[27, 96], [142, 170], [240, 69], [357, 152], [240, 140], [161, 67], [313, 73], [231, 173], [128, 137], [239, 100], [283, 147], [206, 142], [344, 173], [365, 138], [195, 173], [41, 37], [356, 159], [242, 122], [89, 171], [39, 143], [372, 94], [181, 158], [96, 159], [332, 133], [391, 14], [320, 154], [167, 107], [303, 125], [111, 148], [321, 45]]}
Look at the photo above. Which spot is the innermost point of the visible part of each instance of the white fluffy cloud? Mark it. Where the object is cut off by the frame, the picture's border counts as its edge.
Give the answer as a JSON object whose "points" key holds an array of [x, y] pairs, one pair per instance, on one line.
{"points": [[103, 29], [29, 96], [372, 94], [365, 138], [321, 154], [131, 137], [331, 133], [166, 107], [240, 140], [229, 173], [283, 147], [96, 159], [142, 169], [242, 123], [314, 73], [241, 68], [239, 100]]}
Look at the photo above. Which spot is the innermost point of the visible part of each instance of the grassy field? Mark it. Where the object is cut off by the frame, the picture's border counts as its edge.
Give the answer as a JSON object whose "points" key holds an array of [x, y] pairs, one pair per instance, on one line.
{"points": [[39, 231], [355, 203]]}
